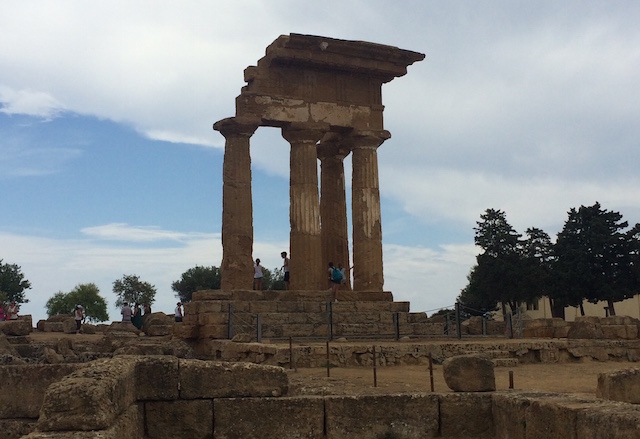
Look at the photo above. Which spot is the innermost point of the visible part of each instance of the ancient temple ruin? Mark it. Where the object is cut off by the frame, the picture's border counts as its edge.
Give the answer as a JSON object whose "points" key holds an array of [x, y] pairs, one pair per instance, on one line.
{"points": [[326, 97]]}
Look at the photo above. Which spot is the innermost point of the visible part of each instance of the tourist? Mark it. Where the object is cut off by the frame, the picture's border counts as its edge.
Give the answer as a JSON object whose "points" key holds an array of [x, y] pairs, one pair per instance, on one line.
{"points": [[285, 268], [12, 311], [137, 316], [335, 280], [178, 312], [79, 317], [147, 309], [2, 316], [257, 276], [126, 312]]}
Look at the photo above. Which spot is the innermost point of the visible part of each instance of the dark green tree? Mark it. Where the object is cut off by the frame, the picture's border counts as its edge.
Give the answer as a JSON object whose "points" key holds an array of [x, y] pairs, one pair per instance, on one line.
{"points": [[195, 279], [12, 283], [508, 270], [132, 290], [595, 259], [87, 295]]}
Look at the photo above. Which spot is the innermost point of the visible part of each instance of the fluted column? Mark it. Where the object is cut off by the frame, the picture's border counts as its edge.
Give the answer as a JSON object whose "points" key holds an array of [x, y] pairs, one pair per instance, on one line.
{"points": [[333, 205], [305, 263], [236, 270], [365, 206]]}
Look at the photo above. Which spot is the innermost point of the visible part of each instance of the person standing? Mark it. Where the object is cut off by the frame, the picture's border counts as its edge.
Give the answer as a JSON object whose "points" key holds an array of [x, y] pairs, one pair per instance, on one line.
{"points": [[335, 279], [12, 311], [2, 316], [137, 316], [178, 312], [257, 276], [285, 268], [126, 312], [79, 317]]}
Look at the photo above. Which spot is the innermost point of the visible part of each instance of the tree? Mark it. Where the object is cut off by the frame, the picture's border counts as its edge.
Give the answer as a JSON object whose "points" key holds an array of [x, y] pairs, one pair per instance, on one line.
{"points": [[87, 295], [194, 279], [12, 283], [131, 289], [595, 259], [509, 269], [273, 280]]}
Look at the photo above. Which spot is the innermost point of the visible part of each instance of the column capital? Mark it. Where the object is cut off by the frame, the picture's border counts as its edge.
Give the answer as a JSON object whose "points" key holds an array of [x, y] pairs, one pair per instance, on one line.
{"points": [[232, 126], [333, 146], [368, 139], [304, 132]]}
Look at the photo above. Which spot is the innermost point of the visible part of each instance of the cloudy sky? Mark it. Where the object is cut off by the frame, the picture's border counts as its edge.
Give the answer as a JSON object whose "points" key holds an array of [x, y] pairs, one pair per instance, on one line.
{"points": [[109, 165]]}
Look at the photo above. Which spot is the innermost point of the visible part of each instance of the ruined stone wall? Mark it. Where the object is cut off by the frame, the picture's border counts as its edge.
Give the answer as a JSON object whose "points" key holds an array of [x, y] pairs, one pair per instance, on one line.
{"points": [[165, 397]]}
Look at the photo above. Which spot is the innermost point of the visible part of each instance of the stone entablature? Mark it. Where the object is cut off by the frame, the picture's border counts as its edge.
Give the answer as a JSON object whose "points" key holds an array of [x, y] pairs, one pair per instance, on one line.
{"points": [[325, 95]]}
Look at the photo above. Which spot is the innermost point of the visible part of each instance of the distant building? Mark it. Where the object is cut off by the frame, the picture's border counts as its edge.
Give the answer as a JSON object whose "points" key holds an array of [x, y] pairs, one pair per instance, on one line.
{"points": [[541, 309]]}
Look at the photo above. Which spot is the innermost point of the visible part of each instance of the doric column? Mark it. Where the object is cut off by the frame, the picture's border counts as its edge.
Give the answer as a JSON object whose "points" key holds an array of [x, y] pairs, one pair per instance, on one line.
{"points": [[333, 204], [305, 263], [365, 207], [236, 271]]}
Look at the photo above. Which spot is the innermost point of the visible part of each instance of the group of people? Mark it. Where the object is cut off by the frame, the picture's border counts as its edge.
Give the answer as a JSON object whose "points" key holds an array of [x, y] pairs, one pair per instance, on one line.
{"points": [[337, 276], [11, 313], [134, 315], [258, 274]]}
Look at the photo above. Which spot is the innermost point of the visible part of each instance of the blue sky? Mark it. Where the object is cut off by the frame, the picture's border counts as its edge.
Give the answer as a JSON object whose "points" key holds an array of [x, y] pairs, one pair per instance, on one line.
{"points": [[109, 165]]}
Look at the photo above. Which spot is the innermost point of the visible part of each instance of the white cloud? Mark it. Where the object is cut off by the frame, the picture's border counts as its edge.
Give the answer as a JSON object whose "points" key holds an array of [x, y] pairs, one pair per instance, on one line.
{"points": [[125, 232], [29, 102]]}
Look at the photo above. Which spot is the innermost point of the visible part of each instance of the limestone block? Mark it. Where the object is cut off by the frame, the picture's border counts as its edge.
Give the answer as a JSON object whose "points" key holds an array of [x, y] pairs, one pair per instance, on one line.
{"points": [[613, 420], [620, 385], [213, 318], [90, 398], [263, 306], [561, 331], [509, 412], [16, 428], [371, 306], [160, 330], [266, 418], [179, 419], [585, 328], [297, 330], [52, 326], [615, 331], [32, 382], [296, 306], [399, 306], [469, 373], [205, 379], [458, 420], [213, 331], [15, 327], [157, 378], [373, 416], [69, 326], [417, 317], [203, 295], [343, 307], [538, 332], [546, 418], [208, 306]]}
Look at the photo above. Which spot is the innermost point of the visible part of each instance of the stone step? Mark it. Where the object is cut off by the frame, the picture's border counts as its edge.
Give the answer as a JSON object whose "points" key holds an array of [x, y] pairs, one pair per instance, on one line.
{"points": [[493, 354], [291, 295], [266, 306]]}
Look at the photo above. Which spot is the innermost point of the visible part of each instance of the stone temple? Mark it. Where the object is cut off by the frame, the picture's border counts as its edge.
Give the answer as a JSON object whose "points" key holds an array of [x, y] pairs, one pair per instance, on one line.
{"points": [[325, 95]]}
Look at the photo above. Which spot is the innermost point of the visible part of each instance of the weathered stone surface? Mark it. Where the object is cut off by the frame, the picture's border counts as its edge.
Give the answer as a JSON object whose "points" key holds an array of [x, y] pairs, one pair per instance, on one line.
{"points": [[52, 357], [242, 338], [205, 379], [90, 398], [16, 428], [608, 421], [620, 385], [122, 327], [585, 329], [267, 418], [373, 416], [179, 419], [157, 324], [469, 373], [15, 327], [32, 382], [457, 420], [509, 412], [157, 378]]}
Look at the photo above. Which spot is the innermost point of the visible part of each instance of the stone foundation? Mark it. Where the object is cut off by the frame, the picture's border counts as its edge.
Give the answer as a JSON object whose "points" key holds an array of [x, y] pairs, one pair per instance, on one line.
{"points": [[166, 397]]}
